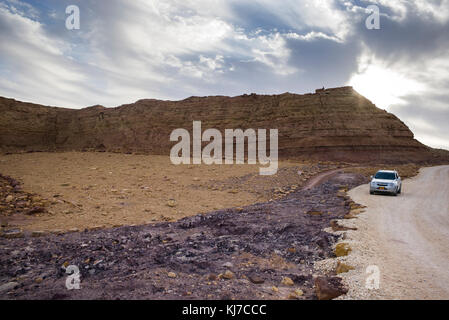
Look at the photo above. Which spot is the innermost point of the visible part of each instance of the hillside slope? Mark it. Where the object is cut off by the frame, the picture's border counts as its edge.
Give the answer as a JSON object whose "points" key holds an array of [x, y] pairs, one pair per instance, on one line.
{"points": [[332, 124]]}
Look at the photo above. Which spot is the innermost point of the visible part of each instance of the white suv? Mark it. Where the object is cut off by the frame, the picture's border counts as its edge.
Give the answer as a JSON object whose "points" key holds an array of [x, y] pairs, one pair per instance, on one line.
{"points": [[386, 181]]}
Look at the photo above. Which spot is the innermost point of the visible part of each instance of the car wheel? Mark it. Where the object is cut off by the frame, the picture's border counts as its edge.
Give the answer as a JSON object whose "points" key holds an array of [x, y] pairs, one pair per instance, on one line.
{"points": [[371, 192], [400, 189]]}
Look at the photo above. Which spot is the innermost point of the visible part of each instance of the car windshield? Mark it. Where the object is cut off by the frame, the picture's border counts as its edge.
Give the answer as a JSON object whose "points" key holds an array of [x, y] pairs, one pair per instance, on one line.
{"points": [[385, 175]]}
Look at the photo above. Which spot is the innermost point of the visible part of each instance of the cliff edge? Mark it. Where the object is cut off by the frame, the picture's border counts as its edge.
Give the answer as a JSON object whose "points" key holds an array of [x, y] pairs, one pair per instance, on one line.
{"points": [[330, 124]]}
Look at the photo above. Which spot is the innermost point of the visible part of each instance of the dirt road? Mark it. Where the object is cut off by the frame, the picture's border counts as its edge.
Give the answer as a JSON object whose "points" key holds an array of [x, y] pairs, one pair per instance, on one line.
{"points": [[406, 236]]}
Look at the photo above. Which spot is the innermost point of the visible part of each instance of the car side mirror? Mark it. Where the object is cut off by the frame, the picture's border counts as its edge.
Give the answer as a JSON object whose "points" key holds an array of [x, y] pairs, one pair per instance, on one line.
{"points": [[371, 177]]}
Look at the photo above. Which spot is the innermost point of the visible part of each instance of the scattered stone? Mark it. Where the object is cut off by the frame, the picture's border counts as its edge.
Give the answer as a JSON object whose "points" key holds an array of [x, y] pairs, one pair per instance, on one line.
{"points": [[212, 277], [295, 294], [314, 213], [342, 249], [36, 234], [342, 267], [287, 281], [299, 292], [171, 203], [36, 199], [35, 210], [354, 205], [11, 234], [228, 265], [341, 194], [8, 286], [356, 211], [336, 227], [275, 289], [96, 262], [9, 199], [256, 279], [291, 250], [328, 288], [164, 218], [228, 275], [171, 275]]}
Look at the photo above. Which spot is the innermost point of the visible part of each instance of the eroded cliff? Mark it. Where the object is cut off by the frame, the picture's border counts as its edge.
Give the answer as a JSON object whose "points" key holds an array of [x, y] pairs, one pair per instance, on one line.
{"points": [[331, 124]]}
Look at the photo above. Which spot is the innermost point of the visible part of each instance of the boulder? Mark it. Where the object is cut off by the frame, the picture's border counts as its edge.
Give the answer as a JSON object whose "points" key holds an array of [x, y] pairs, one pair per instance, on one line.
{"points": [[327, 288], [342, 249]]}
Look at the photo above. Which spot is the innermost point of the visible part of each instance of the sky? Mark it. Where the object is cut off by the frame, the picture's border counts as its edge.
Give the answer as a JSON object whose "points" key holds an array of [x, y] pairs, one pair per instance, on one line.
{"points": [[124, 51]]}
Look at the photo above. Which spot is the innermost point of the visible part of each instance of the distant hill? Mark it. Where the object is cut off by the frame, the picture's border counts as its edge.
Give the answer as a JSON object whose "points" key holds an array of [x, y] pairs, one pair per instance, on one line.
{"points": [[331, 124]]}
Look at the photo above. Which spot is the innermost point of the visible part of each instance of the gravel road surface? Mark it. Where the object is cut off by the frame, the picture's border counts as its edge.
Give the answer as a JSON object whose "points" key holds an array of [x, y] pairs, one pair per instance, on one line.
{"points": [[406, 236]]}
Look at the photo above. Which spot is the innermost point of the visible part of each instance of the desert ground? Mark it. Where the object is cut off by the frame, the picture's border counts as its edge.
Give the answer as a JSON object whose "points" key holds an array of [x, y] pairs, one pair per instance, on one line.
{"points": [[81, 190], [139, 227], [210, 232]]}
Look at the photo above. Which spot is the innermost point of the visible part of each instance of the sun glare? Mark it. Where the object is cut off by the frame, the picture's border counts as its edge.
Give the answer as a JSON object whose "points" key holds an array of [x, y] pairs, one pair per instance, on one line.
{"points": [[383, 86]]}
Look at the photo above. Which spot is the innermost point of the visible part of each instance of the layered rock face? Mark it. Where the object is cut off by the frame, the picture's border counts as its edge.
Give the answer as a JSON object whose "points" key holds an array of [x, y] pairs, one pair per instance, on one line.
{"points": [[331, 124]]}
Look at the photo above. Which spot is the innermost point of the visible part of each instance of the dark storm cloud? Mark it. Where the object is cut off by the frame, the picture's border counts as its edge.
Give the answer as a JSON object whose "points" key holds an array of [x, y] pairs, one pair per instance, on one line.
{"points": [[324, 62], [412, 38]]}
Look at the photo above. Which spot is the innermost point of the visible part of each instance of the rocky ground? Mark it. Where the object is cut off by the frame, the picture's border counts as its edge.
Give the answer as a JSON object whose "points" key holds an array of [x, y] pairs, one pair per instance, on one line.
{"points": [[54, 192], [262, 251]]}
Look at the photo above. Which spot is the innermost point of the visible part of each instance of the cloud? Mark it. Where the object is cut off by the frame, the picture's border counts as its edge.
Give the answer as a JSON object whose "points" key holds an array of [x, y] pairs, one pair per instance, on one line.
{"points": [[404, 66]]}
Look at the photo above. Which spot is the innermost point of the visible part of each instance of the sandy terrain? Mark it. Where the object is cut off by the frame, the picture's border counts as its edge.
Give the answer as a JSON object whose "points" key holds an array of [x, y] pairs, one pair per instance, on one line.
{"points": [[405, 236], [91, 189]]}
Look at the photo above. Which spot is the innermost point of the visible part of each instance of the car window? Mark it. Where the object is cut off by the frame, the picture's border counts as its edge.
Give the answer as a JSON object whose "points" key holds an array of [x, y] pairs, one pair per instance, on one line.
{"points": [[385, 175]]}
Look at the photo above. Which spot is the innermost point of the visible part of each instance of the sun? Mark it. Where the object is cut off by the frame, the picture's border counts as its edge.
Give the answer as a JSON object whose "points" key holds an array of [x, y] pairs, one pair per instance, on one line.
{"points": [[384, 86]]}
